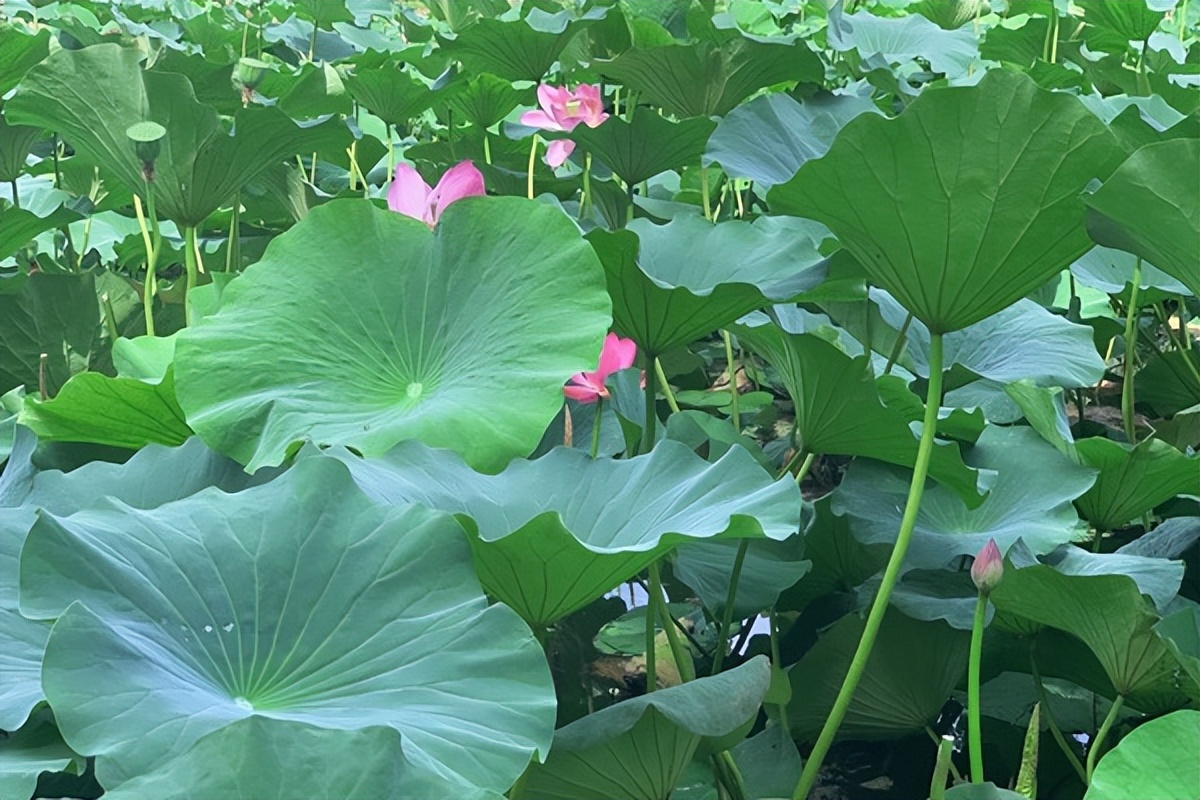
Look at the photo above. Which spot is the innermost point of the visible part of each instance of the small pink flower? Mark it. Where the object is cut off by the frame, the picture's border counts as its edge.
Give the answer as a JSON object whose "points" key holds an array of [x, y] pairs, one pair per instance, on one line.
{"points": [[562, 110], [988, 568], [617, 354], [410, 194]]}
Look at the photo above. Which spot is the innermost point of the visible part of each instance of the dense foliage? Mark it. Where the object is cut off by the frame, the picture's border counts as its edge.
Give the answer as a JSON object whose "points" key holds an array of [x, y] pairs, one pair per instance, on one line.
{"points": [[600, 399]]}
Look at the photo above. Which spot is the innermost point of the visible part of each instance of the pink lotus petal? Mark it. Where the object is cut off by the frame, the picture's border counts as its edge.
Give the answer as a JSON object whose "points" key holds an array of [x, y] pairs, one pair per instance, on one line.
{"points": [[461, 180], [558, 151], [540, 119], [549, 96], [409, 193], [617, 354], [586, 387]]}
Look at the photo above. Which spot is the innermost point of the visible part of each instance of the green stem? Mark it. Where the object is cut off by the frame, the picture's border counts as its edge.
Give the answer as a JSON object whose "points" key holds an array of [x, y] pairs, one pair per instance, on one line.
{"points": [[233, 251], [312, 42], [804, 468], [666, 387], [1131, 318], [151, 286], [16, 195], [704, 193], [792, 462], [648, 428], [890, 575], [585, 199], [784, 722], [937, 741], [532, 162], [727, 612], [651, 631], [731, 368], [487, 148], [937, 786], [596, 427], [734, 783], [898, 347], [682, 658], [189, 260], [391, 133], [1055, 731], [110, 317], [1096, 744], [974, 714]]}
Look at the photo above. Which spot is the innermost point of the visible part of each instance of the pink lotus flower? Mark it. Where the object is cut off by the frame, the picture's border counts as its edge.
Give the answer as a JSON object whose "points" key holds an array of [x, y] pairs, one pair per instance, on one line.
{"points": [[988, 568], [411, 196], [617, 354], [562, 110]]}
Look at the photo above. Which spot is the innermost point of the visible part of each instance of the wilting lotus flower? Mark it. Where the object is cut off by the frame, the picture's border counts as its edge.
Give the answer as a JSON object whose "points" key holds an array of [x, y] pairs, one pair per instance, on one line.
{"points": [[561, 110], [617, 354], [988, 568], [411, 195]]}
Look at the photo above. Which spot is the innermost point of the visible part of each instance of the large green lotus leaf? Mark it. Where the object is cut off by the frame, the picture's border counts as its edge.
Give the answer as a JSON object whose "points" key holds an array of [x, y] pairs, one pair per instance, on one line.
{"points": [[153, 476], [1132, 480], [92, 96], [1158, 759], [677, 282], [121, 412], [547, 547], [703, 79], [949, 52], [912, 669], [838, 410], [839, 562], [769, 138], [1111, 271], [1023, 341], [1110, 616], [299, 600], [1157, 577], [27, 753], [966, 202], [53, 314], [1121, 22], [638, 748], [1028, 498], [1167, 384], [649, 144], [485, 100], [1180, 632], [389, 93], [1151, 207], [258, 758], [15, 143], [395, 332], [1170, 539], [19, 51], [514, 50]]}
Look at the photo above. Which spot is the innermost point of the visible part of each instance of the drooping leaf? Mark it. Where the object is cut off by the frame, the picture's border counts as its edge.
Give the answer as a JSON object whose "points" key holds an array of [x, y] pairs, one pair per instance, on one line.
{"points": [[514, 50], [22, 640], [395, 333], [92, 96], [674, 283], [300, 600], [1151, 207], [704, 79], [638, 150], [768, 568], [390, 94], [120, 412], [838, 408], [19, 51], [911, 671], [551, 535], [1109, 614], [485, 100], [769, 138], [640, 747], [1132, 480], [986, 208], [1120, 23], [53, 314], [15, 143], [1157, 759], [1029, 498], [21, 226]]}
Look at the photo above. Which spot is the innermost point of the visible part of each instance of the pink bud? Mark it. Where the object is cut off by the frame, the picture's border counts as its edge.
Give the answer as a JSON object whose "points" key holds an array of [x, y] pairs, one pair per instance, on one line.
{"points": [[988, 568]]}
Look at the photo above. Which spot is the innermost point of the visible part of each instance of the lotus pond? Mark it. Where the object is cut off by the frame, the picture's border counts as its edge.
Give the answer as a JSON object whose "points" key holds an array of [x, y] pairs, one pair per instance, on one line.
{"points": [[592, 399]]}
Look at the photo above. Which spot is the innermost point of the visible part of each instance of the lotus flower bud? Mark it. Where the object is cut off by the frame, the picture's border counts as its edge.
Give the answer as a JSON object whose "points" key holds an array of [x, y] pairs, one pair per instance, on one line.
{"points": [[988, 568]]}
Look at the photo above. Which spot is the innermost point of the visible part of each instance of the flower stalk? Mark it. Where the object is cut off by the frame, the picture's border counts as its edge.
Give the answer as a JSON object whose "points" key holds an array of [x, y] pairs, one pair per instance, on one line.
{"points": [[891, 574]]}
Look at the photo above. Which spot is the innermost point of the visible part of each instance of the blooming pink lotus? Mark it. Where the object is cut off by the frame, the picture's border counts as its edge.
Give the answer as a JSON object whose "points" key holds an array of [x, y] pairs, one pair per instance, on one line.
{"points": [[988, 568], [617, 354], [412, 197], [562, 110]]}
